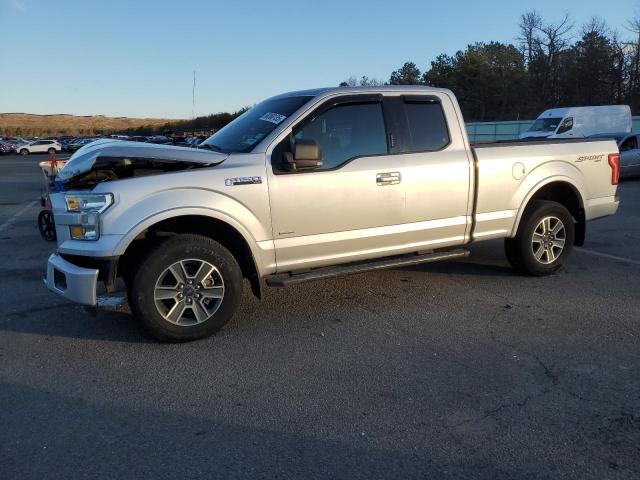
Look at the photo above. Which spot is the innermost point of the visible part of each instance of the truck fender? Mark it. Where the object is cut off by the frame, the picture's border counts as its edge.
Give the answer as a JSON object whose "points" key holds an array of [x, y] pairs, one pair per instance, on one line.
{"points": [[136, 218], [543, 175]]}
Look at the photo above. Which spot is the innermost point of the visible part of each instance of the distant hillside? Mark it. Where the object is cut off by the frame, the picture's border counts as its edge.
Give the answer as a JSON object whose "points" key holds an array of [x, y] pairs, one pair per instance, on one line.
{"points": [[28, 124]]}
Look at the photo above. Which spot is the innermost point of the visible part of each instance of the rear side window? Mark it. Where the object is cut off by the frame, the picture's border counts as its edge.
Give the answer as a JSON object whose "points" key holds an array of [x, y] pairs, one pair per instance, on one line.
{"points": [[427, 126]]}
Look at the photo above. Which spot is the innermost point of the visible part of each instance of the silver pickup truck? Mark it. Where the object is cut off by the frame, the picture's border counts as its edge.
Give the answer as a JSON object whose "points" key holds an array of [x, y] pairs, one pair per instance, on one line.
{"points": [[308, 185]]}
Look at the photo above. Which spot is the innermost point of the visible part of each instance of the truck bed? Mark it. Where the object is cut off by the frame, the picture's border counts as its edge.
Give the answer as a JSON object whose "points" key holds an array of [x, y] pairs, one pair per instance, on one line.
{"points": [[504, 181]]}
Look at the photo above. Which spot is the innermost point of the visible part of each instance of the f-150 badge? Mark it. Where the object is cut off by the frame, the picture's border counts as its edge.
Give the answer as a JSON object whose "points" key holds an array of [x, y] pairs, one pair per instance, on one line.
{"points": [[242, 181]]}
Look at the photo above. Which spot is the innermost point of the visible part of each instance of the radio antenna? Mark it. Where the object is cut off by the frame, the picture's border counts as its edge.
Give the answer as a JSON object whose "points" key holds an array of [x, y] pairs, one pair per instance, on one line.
{"points": [[193, 97]]}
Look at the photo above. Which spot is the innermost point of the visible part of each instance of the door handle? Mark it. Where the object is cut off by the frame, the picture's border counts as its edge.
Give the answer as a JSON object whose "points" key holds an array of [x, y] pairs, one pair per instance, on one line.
{"points": [[388, 178]]}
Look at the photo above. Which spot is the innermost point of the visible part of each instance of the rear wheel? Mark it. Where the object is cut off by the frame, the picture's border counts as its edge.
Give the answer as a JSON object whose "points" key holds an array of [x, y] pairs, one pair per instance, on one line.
{"points": [[187, 287], [544, 240]]}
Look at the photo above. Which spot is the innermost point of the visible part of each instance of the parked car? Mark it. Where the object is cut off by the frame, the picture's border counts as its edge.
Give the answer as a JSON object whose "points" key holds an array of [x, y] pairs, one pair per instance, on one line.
{"points": [[580, 122], [15, 142], [159, 139], [4, 148], [195, 141], [629, 146], [78, 144], [19, 141], [310, 185], [40, 146], [65, 143], [7, 146]]}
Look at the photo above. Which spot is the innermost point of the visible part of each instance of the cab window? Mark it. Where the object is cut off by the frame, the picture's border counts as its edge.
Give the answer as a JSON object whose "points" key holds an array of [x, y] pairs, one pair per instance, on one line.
{"points": [[345, 132], [427, 126]]}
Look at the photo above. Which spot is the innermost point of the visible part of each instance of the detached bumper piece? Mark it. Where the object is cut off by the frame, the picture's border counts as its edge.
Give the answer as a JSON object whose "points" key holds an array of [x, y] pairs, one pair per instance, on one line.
{"points": [[70, 281]]}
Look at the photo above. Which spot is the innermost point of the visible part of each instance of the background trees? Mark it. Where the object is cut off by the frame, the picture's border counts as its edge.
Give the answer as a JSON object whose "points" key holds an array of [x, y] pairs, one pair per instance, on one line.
{"points": [[488, 79], [408, 74], [551, 65]]}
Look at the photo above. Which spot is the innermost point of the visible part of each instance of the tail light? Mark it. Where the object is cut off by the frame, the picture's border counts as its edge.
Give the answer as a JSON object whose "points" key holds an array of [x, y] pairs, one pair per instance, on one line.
{"points": [[614, 163]]}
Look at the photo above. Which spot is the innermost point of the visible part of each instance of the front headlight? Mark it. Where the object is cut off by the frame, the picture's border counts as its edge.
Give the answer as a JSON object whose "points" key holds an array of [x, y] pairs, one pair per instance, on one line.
{"points": [[88, 202], [89, 206]]}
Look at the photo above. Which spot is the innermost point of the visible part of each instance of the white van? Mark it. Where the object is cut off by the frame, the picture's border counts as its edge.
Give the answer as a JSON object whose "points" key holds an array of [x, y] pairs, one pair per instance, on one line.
{"points": [[578, 122]]}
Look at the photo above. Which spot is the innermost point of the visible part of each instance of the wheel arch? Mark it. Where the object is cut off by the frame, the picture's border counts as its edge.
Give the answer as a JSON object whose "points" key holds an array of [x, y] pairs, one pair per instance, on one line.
{"points": [[560, 189], [226, 231]]}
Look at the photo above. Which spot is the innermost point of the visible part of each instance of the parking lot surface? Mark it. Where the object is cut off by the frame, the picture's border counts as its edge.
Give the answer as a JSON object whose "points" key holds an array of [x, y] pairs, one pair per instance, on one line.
{"points": [[451, 370]]}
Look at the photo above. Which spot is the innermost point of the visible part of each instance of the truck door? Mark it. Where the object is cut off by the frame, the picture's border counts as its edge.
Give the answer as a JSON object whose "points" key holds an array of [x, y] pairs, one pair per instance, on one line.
{"points": [[437, 170], [350, 207]]}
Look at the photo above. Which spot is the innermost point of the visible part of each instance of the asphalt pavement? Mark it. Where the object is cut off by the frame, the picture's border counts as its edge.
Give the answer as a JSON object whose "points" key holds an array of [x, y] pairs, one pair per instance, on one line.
{"points": [[451, 370]]}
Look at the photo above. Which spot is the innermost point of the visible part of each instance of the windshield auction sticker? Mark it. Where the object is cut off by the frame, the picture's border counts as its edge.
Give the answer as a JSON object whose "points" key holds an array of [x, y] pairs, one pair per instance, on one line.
{"points": [[273, 117]]}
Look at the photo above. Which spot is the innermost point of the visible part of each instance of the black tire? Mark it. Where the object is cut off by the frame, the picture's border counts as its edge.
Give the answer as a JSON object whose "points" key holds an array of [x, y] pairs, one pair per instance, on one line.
{"points": [[24, 151], [51, 151], [46, 225], [521, 250], [153, 267]]}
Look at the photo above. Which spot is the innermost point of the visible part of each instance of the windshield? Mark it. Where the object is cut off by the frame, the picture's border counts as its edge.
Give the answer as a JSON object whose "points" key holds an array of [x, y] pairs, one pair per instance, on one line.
{"points": [[545, 125], [248, 129]]}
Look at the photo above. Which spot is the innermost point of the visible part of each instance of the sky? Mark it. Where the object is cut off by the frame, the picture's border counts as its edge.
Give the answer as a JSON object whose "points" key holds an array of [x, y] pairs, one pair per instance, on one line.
{"points": [[136, 58]]}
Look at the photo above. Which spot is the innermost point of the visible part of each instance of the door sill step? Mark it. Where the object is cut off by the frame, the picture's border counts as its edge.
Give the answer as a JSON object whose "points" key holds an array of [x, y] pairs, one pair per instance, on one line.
{"points": [[284, 279]]}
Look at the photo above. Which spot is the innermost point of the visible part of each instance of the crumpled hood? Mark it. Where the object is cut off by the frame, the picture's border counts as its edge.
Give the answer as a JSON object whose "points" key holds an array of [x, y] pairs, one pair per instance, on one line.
{"points": [[84, 159]]}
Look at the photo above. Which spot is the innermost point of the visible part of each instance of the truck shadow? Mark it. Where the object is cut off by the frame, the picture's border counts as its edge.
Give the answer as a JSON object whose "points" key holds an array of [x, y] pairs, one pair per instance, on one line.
{"points": [[465, 267], [70, 320], [183, 445]]}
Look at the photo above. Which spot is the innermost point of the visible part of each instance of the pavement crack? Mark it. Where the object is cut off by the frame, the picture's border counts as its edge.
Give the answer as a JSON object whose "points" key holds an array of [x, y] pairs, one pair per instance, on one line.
{"points": [[492, 411], [486, 414], [555, 381], [526, 399], [547, 370]]}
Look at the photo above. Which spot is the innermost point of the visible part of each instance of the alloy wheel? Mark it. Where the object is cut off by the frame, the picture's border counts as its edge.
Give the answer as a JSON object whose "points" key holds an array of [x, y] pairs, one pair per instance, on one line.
{"points": [[189, 292], [547, 242]]}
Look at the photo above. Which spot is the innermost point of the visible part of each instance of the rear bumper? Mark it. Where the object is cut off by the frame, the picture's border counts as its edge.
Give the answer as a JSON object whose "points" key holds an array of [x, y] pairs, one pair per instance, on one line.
{"points": [[601, 207], [70, 281]]}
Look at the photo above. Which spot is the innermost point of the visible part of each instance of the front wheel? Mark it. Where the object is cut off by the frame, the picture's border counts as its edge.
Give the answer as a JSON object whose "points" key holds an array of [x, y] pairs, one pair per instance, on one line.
{"points": [[47, 226], [51, 151], [544, 239], [24, 151], [186, 288]]}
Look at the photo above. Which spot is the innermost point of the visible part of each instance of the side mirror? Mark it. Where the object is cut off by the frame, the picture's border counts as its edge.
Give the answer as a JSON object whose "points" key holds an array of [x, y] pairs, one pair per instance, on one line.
{"points": [[307, 155]]}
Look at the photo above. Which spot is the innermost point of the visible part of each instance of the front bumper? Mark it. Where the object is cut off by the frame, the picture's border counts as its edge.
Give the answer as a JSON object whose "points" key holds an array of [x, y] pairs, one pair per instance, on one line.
{"points": [[70, 281]]}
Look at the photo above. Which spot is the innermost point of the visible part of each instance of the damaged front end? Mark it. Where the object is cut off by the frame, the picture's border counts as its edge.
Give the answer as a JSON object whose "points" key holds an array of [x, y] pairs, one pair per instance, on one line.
{"points": [[108, 160]]}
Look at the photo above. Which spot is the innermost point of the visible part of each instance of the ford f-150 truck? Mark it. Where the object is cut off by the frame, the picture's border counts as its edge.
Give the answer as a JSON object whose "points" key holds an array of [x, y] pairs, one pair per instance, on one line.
{"points": [[308, 185]]}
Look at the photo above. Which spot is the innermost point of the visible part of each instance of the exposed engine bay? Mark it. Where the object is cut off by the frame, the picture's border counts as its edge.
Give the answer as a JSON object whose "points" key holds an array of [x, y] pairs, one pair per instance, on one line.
{"points": [[108, 160], [117, 168]]}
